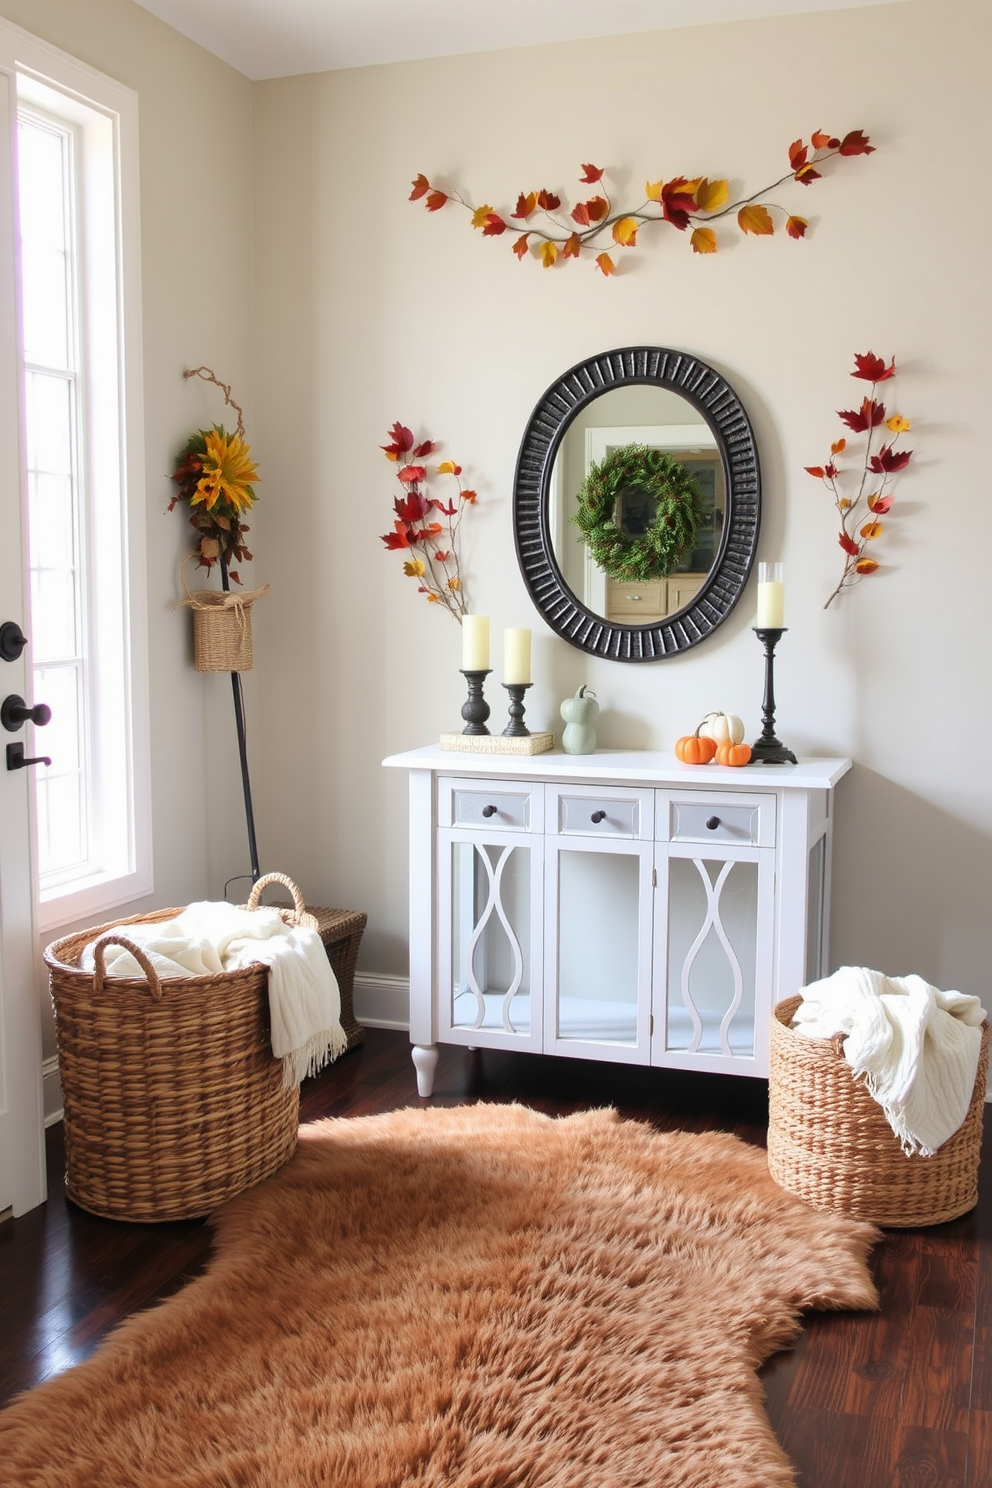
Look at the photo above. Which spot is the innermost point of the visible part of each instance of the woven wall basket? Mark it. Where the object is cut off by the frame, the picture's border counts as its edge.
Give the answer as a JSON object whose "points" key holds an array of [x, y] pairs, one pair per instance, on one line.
{"points": [[829, 1141], [173, 1100], [222, 629]]}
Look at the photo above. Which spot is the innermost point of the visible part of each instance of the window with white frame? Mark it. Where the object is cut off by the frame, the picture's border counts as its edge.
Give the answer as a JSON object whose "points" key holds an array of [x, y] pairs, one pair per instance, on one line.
{"points": [[80, 342]]}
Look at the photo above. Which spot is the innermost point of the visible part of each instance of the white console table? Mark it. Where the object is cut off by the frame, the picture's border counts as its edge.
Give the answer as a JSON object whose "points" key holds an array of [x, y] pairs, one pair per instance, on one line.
{"points": [[617, 906]]}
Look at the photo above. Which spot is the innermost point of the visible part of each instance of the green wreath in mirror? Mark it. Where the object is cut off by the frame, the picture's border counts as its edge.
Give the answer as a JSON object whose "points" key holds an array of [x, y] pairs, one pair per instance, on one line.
{"points": [[654, 485]]}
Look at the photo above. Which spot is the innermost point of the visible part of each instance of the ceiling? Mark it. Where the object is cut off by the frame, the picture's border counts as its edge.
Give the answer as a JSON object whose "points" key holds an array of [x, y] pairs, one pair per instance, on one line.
{"points": [[280, 38]]}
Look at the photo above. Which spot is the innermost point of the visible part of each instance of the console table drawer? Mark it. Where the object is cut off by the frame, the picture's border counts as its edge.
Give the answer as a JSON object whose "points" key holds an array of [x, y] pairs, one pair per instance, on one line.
{"points": [[467, 803], [602, 813], [713, 817]]}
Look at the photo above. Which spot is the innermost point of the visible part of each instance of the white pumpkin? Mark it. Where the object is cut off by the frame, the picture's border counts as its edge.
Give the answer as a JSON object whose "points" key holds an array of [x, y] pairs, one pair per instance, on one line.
{"points": [[723, 728]]}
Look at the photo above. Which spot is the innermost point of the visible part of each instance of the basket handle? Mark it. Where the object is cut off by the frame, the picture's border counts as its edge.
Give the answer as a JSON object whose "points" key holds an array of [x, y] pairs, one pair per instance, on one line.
{"points": [[100, 964], [280, 878]]}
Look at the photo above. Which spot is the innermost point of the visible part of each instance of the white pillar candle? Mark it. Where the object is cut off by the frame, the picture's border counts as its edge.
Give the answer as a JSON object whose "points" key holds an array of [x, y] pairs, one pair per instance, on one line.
{"points": [[771, 597], [516, 656], [475, 643]]}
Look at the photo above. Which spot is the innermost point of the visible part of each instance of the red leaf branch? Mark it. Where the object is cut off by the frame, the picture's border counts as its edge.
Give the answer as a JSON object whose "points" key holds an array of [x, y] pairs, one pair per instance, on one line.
{"points": [[431, 547], [873, 498]]}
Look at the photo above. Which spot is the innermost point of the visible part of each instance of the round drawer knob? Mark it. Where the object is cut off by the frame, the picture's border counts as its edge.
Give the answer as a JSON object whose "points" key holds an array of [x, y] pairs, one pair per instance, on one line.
{"points": [[598, 816], [712, 822], [488, 811]]}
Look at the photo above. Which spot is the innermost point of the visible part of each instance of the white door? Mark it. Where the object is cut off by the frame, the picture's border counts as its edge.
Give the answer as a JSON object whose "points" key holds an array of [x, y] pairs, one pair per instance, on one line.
{"points": [[22, 1168]]}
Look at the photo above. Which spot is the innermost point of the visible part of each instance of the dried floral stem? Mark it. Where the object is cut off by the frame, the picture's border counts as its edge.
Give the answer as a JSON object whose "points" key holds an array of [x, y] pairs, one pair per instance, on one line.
{"points": [[225, 387], [415, 528], [881, 466]]}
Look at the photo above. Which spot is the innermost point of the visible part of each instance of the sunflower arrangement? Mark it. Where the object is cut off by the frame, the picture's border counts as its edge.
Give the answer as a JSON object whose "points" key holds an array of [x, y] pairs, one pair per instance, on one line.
{"points": [[216, 474]]}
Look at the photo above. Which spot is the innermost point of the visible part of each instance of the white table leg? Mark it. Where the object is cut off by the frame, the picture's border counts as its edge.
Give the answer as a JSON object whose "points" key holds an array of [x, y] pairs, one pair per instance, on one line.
{"points": [[425, 1057]]}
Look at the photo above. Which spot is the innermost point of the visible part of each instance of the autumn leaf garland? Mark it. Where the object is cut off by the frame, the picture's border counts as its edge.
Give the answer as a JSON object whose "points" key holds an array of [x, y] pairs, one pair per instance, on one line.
{"points": [[860, 525], [681, 202]]}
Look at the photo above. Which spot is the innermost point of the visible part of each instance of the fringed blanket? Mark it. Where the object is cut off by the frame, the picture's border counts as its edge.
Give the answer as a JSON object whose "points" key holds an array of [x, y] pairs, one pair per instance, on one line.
{"points": [[915, 1047], [210, 937]]}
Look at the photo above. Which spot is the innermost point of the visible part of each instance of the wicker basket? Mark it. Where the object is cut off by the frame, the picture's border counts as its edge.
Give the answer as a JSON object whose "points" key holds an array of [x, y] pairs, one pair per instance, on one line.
{"points": [[830, 1143], [221, 632], [341, 931], [173, 1100]]}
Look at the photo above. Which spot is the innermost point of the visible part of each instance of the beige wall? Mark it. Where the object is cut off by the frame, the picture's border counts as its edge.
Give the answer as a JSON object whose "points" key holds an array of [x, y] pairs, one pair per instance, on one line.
{"points": [[195, 145], [289, 199], [370, 310]]}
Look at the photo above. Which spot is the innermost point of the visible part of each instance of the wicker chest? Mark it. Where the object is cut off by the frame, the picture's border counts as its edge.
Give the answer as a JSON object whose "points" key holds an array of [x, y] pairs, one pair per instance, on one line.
{"points": [[341, 931]]}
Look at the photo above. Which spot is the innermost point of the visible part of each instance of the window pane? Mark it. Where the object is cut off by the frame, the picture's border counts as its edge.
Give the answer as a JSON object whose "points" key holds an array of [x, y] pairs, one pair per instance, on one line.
{"points": [[51, 525], [44, 240], [60, 790], [61, 689], [49, 423], [53, 614], [60, 825]]}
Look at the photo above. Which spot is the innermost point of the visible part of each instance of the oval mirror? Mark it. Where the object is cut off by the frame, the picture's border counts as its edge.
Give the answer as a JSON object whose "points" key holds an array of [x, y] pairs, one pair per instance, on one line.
{"points": [[655, 399]]}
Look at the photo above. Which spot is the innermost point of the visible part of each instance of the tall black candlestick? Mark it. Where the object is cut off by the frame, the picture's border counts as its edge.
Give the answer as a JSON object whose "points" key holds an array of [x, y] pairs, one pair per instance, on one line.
{"points": [[769, 750]]}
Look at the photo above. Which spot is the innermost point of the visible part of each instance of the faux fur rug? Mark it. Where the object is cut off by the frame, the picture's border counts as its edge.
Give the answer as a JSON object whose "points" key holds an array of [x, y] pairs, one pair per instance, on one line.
{"points": [[477, 1297]]}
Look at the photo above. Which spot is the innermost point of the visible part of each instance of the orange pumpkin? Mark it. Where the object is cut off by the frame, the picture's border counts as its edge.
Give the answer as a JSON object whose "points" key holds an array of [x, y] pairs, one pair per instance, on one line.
{"points": [[695, 749], [729, 753]]}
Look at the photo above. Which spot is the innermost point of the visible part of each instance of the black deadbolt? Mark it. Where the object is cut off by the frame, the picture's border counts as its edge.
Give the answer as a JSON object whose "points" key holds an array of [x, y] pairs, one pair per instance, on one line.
{"points": [[12, 640]]}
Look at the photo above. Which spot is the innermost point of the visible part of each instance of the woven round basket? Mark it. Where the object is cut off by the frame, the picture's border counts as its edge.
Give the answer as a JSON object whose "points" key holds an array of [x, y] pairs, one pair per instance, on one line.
{"points": [[173, 1100], [829, 1141]]}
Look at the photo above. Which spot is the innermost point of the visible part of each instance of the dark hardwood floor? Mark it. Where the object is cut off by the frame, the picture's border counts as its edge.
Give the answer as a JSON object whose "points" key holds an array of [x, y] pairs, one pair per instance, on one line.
{"points": [[898, 1399]]}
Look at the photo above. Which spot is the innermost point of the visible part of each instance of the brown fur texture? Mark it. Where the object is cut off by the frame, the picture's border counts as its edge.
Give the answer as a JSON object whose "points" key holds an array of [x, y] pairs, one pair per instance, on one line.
{"points": [[476, 1297]]}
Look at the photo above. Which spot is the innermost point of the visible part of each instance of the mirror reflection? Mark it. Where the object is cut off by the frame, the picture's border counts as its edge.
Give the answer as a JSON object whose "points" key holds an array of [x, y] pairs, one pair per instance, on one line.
{"points": [[653, 418], [651, 449]]}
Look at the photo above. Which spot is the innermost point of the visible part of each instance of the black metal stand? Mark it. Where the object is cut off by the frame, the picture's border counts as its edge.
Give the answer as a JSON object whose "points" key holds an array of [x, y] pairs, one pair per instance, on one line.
{"points": [[475, 710], [239, 718], [770, 750], [515, 728]]}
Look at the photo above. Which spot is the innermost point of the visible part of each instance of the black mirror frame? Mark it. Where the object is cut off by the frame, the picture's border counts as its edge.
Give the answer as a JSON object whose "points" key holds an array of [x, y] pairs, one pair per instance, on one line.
{"points": [[713, 397]]}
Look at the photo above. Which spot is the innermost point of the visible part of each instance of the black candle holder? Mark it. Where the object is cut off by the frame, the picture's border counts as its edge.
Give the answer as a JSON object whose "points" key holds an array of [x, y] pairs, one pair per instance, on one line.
{"points": [[475, 709], [516, 728], [770, 750]]}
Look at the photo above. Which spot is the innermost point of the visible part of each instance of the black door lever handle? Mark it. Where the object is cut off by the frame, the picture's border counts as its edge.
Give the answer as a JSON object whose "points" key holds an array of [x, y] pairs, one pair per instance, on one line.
{"points": [[16, 760]]}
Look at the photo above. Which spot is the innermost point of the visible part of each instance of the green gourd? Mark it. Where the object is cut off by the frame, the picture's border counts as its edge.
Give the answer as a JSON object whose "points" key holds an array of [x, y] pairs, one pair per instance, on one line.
{"points": [[580, 713]]}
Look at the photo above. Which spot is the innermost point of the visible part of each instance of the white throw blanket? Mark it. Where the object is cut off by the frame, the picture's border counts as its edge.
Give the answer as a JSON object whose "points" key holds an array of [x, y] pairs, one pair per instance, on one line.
{"points": [[916, 1047], [212, 937]]}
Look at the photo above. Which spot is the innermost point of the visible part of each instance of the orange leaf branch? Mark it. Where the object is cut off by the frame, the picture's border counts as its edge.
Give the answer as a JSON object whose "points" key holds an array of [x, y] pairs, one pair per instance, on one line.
{"points": [[679, 202], [878, 469], [429, 547]]}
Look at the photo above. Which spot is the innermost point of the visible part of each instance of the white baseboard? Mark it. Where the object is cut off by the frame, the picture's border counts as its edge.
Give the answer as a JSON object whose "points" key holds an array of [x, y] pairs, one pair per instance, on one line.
{"points": [[51, 1087], [382, 1001]]}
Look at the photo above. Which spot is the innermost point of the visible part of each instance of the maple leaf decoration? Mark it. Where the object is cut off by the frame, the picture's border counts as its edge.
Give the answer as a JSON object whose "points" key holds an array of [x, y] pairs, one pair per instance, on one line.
{"points": [[877, 467], [556, 233], [416, 531]]}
